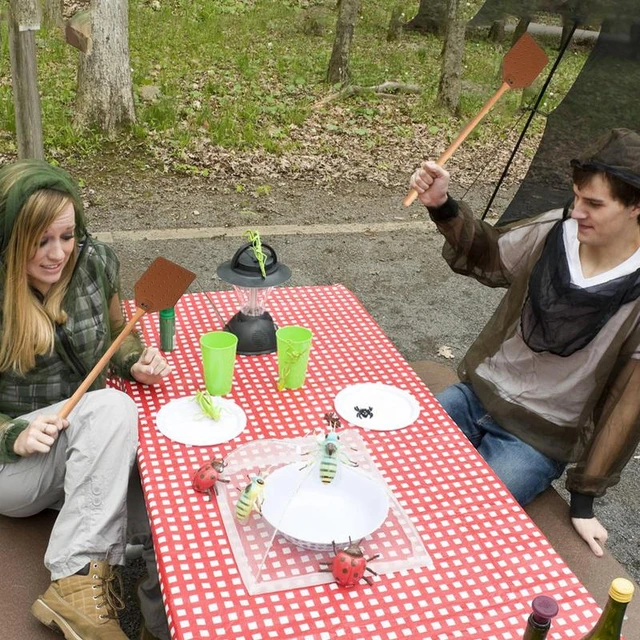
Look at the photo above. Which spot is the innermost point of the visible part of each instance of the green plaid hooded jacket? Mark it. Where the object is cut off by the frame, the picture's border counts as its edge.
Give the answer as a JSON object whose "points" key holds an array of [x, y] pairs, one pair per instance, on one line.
{"points": [[79, 344]]}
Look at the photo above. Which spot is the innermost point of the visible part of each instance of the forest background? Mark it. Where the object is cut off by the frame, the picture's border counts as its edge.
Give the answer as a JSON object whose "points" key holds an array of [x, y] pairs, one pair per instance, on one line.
{"points": [[237, 89]]}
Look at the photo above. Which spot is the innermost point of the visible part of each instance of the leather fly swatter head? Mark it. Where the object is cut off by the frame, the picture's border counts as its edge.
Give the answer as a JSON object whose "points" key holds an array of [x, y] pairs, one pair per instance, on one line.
{"points": [[523, 62], [520, 67], [161, 285]]}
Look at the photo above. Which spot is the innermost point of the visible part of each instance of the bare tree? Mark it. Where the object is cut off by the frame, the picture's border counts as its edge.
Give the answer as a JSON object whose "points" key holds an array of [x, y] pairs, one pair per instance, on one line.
{"points": [[430, 17], [396, 24], [521, 28], [452, 55], [339, 63], [105, 92], [53, 12]]}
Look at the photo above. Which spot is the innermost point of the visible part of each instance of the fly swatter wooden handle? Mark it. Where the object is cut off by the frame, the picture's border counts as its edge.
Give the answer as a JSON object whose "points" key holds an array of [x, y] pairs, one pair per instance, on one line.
{"points": [[471, 125], [100, 365]]}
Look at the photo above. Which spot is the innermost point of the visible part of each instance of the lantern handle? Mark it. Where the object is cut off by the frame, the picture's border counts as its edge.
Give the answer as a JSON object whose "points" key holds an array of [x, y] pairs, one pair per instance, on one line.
{"points": [[235, 261]]}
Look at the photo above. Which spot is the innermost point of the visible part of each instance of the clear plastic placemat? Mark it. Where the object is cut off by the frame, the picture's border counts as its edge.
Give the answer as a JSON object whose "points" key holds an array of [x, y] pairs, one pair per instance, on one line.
{"points": [[270, 561]]}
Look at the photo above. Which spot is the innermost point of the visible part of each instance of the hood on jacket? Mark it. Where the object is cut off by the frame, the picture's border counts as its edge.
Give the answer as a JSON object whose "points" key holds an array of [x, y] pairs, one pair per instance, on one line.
{"points": [[21, 179]]}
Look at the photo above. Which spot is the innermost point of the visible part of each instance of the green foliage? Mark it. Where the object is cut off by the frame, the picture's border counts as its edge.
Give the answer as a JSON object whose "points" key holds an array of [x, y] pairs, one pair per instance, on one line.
{"points": [[243, 74]]}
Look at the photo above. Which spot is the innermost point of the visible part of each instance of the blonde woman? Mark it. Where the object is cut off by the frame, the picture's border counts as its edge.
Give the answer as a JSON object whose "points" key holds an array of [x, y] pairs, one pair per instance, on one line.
{"points": [[60, 304]]}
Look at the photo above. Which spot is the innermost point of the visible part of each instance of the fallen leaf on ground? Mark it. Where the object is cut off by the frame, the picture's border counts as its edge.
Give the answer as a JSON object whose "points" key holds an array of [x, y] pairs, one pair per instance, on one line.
{"points": [[445, 352]]}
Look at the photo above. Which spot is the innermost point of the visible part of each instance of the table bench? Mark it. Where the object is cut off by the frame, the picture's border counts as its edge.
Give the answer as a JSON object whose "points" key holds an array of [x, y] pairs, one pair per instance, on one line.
{"points": [[23, 543]]}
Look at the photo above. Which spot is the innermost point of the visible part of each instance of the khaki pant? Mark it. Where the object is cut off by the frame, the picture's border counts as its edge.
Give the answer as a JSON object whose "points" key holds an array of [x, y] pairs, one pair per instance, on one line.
{"points": [[91, 477]]}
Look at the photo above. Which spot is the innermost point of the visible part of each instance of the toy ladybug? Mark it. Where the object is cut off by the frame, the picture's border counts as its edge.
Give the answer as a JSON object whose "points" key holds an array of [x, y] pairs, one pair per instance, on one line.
{"points": [[349, 565], [205, 478]]}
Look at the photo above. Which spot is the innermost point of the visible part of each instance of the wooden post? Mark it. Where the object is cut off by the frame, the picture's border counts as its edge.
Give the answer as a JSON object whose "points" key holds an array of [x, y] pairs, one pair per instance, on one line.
{"points": [[24, 20]]}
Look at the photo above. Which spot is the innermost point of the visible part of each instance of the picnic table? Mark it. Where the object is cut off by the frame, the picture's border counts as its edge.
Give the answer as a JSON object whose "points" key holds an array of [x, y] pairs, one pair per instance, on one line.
{"points": [[489, 560]]}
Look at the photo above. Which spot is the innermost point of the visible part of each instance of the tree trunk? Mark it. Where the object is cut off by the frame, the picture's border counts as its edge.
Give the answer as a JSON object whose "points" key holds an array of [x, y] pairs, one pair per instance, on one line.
{"points": [[105, 92], [496, 31], [24, 21], [396, 23], [53, 13], [452, 54], [521, 29], [430, 18], [339, 64]]}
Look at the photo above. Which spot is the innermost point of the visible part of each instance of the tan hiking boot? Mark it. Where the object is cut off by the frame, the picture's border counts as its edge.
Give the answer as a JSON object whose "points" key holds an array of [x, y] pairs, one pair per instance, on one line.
{"points": [[83, 607]]}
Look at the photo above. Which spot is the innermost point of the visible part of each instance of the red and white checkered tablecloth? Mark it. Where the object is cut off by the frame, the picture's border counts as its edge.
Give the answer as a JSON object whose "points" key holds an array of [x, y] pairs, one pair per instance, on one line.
{"points": [[490, 559]]}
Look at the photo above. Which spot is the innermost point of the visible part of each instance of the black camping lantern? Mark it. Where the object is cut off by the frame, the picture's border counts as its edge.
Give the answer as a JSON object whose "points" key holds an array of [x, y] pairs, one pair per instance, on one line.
{"points": [[252, 282]]}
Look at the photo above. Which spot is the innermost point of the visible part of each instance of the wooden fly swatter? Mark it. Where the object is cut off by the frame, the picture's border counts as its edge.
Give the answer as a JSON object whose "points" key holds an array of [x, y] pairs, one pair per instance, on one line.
{"points": [[159, 287], [520, 67]]}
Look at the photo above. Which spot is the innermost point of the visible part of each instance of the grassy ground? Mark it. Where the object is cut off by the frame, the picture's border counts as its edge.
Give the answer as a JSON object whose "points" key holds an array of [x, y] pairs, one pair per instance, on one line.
{"points": [[241, 80]]}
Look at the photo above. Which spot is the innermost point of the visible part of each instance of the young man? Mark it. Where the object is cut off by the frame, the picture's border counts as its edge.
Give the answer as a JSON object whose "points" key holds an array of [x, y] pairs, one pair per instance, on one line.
{"points": [[554, 377]]}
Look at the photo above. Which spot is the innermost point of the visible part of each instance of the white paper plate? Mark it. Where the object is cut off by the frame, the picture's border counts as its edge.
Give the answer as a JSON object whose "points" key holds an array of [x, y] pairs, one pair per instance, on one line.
{"points": [[182, 420], [377, 406], [314, 515]]}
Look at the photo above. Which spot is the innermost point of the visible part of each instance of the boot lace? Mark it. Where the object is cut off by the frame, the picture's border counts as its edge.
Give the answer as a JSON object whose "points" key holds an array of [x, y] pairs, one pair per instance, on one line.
{"points": [[111, 590]]}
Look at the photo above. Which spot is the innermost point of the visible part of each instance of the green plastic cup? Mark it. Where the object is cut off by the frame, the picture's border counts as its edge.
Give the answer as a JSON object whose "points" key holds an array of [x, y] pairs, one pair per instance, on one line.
{"points": [[293, 344], [218, 359]]}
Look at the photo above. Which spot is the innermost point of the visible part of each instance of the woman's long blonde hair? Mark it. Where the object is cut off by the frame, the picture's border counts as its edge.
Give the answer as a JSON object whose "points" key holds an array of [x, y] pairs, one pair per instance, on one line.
{"points": [[28, 324]]}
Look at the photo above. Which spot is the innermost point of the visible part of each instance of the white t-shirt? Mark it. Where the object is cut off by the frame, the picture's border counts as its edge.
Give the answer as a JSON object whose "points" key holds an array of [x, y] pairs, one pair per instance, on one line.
{"points": [[572, 249]]}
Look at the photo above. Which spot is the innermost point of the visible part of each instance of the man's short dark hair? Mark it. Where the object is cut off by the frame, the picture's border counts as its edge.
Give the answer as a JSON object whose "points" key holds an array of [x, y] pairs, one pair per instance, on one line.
{"points": [[622, 191]]}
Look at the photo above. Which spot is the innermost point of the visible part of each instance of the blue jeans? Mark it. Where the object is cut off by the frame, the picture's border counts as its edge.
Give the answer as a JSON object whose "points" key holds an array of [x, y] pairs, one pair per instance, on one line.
{"points": [[523, 470]]}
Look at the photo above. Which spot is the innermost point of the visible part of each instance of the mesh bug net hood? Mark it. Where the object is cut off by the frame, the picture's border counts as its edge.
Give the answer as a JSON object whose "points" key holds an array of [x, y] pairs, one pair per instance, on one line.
{"points": [[617, 153], [559, 317]]}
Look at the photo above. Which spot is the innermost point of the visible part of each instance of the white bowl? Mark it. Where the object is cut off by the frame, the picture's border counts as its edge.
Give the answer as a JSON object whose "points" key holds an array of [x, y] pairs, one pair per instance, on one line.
{"points": [[314, 515]]}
